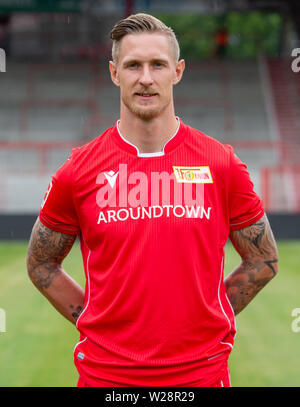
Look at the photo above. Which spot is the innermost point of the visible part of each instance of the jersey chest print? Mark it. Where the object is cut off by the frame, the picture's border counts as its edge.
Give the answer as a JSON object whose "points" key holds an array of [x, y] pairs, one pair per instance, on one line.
{"points": [[135, 195]]}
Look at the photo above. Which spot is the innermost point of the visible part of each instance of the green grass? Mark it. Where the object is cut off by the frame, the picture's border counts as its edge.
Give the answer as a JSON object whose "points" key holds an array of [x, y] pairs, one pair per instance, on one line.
{"points": [[37, 347], [266, 351]]}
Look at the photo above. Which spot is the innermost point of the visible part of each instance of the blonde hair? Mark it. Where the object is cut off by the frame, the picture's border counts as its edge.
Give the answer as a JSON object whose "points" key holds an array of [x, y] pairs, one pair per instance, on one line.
{"points": [[140, 23]]}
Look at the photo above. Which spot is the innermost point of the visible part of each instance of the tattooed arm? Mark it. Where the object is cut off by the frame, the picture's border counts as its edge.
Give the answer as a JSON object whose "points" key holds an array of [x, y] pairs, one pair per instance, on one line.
{"points": [[257, 248], [46, 251]]}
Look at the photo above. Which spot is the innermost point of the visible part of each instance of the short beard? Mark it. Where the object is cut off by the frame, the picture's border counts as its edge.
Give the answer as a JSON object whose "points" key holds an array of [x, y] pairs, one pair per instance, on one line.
{"points": [[145, 114]]}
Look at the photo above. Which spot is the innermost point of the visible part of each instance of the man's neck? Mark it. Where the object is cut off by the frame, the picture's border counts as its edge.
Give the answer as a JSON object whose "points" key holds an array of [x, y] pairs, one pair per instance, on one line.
{"points": [[148, 136]]}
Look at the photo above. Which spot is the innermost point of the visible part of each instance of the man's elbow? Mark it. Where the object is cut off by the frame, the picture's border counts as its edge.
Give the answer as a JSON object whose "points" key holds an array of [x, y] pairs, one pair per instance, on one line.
{"points": [[30, 264], [35, 269], [271, 265]]}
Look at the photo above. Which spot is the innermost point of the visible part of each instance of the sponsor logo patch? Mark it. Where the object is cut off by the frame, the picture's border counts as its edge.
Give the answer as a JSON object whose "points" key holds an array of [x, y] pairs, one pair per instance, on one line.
{"points": [[193, 175]]}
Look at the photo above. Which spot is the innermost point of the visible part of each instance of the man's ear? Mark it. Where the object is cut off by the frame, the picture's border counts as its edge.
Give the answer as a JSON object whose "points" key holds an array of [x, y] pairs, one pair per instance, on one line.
{"points": [[180, 65], [114, 73]]}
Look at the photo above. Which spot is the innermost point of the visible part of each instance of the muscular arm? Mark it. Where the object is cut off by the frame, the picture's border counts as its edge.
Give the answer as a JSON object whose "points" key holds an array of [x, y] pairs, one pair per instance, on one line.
{"points": [[46, 252], [257, 248]]}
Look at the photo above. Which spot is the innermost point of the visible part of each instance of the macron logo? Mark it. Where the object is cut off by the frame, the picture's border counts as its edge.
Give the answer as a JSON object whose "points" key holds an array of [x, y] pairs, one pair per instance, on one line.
{"points": [[111, 177]]}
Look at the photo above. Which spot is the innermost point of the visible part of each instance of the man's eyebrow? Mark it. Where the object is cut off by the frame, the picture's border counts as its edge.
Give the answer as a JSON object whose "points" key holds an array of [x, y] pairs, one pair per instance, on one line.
{"points": [[130, 61], [137, 61], [163, 60]]}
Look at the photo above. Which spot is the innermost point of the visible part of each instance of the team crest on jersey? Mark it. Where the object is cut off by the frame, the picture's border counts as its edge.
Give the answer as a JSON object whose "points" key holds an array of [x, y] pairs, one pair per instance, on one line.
{"points": [[193, 175]]}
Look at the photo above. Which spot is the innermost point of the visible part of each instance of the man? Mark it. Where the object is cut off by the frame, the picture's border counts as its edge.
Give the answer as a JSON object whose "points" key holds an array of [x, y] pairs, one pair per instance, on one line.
{"points": [[153, 202]]}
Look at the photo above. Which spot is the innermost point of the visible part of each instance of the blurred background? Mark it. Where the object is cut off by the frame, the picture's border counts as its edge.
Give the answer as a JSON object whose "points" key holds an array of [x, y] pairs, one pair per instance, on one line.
{"points": [[238, 87], [241, 86]]}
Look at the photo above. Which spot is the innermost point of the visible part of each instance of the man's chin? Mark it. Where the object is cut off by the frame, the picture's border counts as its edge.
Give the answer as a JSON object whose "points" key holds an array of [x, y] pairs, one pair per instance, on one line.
{"points": [[146, 113]]}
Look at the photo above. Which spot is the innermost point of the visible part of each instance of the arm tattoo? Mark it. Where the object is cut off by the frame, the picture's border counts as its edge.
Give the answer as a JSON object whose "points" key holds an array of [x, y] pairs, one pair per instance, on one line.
{"points": [[256, 241], [269, 263], [257, 248], [76, 312], [46, 251]]}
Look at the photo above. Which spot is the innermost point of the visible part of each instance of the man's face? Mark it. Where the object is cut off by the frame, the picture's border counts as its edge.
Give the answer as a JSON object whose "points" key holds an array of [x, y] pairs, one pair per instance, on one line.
{"points": [[146, 73]]}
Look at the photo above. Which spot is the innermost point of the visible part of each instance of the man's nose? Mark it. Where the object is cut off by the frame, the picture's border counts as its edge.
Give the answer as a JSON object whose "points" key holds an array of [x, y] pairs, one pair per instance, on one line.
{"points": [[146, 77]]}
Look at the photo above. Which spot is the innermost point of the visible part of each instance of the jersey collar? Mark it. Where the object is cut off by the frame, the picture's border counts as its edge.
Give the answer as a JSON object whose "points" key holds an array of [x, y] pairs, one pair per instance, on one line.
{"points": [[170, 145]]}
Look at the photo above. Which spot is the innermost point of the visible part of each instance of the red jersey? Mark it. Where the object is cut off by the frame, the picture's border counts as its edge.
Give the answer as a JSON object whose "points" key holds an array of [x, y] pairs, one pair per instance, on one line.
{"points": [[152, 229]]}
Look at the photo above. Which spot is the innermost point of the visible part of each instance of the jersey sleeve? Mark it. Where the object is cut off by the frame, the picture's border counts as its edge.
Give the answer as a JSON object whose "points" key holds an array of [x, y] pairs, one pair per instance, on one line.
{"points": [[57, 210], [245, 206]]}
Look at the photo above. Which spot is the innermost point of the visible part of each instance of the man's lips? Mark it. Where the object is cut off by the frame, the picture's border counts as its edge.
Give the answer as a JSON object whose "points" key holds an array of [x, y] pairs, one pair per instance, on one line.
{"points": [[146, 95]]}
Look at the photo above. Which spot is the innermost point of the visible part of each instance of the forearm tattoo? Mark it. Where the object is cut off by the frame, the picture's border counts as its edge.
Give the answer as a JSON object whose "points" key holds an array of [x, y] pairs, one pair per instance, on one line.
{"points": [[257, 248], [46, 251], [76, 311]]}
